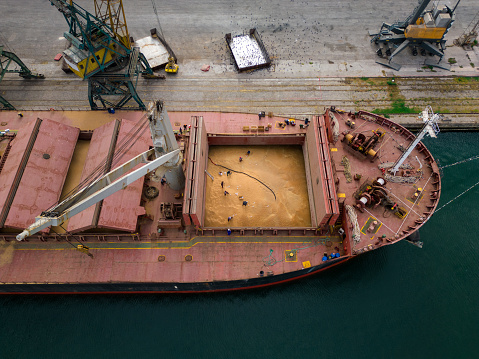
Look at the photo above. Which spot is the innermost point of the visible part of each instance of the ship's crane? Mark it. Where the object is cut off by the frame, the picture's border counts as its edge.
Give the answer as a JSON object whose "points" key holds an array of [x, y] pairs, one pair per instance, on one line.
{"points": [[100, 44], [423, 30], [165, 153], [430, 127], [11, 63]]}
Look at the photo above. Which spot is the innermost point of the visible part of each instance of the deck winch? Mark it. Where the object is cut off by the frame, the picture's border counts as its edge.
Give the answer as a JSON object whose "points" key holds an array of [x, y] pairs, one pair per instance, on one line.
{"points": [[362, 144]]}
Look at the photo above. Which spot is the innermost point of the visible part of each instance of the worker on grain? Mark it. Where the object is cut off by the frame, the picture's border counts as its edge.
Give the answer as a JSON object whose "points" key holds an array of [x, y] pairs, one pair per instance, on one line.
{"points": [[222, 184], [241, 159], [228, 173], [226, 192], [245, 203], [230, 218], [248, 153]]}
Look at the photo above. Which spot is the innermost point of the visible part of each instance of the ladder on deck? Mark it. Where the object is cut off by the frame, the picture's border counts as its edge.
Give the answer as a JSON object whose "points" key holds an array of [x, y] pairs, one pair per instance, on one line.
{"points": [[5, 154]]}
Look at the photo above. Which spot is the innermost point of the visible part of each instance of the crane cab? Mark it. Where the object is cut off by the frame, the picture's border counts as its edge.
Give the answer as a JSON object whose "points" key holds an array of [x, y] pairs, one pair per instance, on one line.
{"points": [[431, 26], [84, 65]]}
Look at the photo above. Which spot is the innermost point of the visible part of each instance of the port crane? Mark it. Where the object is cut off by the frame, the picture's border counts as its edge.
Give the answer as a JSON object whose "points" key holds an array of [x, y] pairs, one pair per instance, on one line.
{"points": [[423, 31], [101, 52], [165, 152], [469, 36], [11, 63]]}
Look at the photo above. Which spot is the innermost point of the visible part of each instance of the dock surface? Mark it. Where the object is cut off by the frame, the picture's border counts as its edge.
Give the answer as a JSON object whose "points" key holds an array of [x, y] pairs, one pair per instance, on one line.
{"points": [[320, 51]]}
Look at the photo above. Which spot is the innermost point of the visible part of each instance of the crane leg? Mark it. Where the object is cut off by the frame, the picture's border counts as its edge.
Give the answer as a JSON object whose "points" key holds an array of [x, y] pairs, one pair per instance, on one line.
{"points": [[432, 49], [399, 49]]}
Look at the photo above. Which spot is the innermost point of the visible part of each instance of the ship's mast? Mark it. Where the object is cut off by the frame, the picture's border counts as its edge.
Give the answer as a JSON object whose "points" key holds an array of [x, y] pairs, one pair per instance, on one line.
{"points": [[430, 127]]}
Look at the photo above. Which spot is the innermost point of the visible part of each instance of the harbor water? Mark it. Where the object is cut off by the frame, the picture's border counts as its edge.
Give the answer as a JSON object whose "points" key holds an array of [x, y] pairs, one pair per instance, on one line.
{"points": [[396, 302]]}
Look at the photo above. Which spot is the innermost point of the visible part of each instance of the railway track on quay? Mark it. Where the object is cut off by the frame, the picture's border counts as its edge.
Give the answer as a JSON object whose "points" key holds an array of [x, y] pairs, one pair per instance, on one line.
{"points": [[456, 97]]}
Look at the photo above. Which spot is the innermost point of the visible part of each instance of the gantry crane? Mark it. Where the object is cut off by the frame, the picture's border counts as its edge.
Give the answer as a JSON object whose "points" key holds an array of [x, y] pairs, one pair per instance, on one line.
{"points": [[11, 63], [423, 30], [100, 45]]}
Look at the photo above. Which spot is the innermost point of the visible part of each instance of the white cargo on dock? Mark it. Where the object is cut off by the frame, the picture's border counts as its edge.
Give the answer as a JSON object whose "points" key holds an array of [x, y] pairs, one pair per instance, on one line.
{"points": [[154, 51]]}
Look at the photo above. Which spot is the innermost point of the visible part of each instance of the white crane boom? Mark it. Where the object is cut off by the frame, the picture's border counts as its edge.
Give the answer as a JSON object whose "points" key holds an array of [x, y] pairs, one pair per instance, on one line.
{"points": [[108, 189], [430, 127], [166, 152]]}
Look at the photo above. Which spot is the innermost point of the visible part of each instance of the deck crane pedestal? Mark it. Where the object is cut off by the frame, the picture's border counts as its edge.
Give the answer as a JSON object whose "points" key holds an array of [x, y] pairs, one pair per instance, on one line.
{"points": [[422, 31], [165, 152], [101, 52]]}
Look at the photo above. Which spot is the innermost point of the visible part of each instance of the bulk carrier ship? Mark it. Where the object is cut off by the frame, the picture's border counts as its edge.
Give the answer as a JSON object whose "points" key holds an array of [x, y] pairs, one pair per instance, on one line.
{"points": [[207, 201]]}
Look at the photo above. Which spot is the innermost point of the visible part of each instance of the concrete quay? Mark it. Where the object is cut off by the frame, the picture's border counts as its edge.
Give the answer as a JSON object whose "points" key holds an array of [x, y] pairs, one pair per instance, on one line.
{"points": [[320, 50], [450, 122]]}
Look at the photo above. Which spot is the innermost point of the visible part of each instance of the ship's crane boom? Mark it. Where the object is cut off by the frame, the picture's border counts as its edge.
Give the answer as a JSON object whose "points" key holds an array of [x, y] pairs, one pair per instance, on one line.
{"points": [[166, 152], [430, 127]]}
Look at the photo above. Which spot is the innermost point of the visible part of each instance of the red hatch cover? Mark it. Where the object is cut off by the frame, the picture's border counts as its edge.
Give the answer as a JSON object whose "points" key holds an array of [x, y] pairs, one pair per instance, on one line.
{"points": [[35, 171]]}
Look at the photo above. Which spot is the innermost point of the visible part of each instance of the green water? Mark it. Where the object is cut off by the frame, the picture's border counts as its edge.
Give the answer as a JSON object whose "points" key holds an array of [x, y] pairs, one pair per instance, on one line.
{"points": [[399, 301]]}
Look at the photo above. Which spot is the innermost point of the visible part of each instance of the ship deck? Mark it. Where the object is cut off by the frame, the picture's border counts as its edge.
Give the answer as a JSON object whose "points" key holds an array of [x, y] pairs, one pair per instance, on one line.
{"points": [[183, 249], [213, 258], [415, 189]]}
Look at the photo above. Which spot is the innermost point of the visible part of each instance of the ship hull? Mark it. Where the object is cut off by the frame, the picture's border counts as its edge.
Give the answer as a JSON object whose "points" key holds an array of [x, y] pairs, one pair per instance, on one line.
{"points": [[145, 288], [180, 241]]}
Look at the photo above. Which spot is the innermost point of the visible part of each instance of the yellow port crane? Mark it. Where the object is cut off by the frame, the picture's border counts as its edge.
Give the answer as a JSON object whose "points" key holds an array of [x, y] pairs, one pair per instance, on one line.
{"points": [[423, 30], [111, 12], [100, 48]]}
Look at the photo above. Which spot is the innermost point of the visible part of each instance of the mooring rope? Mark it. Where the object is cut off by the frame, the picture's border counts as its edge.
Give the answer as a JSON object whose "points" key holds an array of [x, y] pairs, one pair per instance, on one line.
{"points": [[244, 174], [353, 217], [459, 162], [269, 260], [347, 169], [459, 195]]}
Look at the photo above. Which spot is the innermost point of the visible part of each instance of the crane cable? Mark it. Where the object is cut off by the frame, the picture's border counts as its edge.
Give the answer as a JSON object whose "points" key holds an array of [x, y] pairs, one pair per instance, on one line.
{"points": [[121, 149], [157, 18], [81, 247]]}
